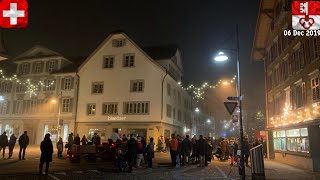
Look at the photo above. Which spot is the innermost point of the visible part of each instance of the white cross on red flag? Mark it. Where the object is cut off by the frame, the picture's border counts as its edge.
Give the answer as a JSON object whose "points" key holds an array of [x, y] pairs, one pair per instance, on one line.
{"points": [[306, 15], [13, 13]]}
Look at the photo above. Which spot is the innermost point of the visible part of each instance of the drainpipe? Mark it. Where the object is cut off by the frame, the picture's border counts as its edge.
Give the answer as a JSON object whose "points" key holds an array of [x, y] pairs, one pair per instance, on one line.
{"points": [[162, 94], [77, 98]]}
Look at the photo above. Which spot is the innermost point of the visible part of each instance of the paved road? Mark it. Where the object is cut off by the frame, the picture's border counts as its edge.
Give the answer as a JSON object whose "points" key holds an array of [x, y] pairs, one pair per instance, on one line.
{"points": [[61, 169]]}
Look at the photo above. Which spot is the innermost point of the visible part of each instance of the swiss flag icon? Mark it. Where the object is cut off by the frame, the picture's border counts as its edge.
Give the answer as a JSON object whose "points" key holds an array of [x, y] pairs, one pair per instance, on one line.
{"points": [[306, 15], [13, 13]]}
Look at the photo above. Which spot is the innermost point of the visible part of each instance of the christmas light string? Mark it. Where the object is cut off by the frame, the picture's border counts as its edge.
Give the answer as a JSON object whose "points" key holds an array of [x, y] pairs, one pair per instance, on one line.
{"points": [[198, 92], [30, 86]]}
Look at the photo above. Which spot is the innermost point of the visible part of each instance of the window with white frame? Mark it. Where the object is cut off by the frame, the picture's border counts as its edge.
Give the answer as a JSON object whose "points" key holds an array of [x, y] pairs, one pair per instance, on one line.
{"points": [[18, 107], [37, 67], [21, 87], [97, 88], [315, 89], [91, 109], [108, 61], [33, 106], [67, 83], [128, 60], [66, 105], [4, 107], [136, 108], [25, 68], [174, 113], [169, 89], [179, 115], [118, 42], [300, 95], [110, 108], [169, 110], [49, 85], [137, 85], [51, 65], [5, 87]]}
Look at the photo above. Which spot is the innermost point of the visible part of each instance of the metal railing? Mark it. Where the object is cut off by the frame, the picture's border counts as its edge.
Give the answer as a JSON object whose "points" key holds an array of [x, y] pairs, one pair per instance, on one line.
{"points": [[257, 162]]}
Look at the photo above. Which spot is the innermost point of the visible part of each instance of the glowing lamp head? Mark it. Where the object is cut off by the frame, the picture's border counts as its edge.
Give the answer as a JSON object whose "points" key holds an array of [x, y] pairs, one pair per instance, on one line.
{"points": [[221, 57], [1, 98], [197, 110], [53, 100]]}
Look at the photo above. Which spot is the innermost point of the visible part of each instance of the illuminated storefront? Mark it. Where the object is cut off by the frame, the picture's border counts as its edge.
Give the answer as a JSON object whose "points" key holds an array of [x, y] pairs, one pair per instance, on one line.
{"points": [[291, 140]]}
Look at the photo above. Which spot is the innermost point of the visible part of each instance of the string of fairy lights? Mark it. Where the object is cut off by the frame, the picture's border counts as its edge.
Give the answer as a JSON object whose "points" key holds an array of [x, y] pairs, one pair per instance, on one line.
{"points": [[30, 87], [198, 92], [291, 116]]}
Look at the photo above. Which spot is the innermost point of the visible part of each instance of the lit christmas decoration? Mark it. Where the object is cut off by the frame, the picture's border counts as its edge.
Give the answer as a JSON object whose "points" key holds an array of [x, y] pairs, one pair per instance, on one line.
{"points": [[198, 92], [32, 87]]}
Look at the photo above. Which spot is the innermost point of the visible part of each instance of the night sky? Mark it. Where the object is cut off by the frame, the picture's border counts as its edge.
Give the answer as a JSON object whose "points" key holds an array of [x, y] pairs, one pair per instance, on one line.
{"points": [[199, 28]]}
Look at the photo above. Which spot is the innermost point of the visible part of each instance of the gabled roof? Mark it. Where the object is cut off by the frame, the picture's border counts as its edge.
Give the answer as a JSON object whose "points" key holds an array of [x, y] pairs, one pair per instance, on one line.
{"points": [[72, 67], [161, 52], [36, 51], [129, 39]]}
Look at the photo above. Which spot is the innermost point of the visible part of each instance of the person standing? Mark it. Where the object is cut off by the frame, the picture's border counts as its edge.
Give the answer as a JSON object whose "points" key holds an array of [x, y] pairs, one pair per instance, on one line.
{"points": [[46, 148], [60, 147], [70, 141], [84, 140], [23, 142], [246, 150], [139, 151], [131, 148], [12, 143], [3, 143], [202, 150], [77, 140], [224, 146], [186, 150], [150, 152], [173, 149], [231, 152]]}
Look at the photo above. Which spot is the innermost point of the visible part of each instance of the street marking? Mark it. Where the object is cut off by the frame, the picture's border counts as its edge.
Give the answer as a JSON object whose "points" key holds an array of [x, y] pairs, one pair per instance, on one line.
{"points": [[53, 177], [223, 174]]}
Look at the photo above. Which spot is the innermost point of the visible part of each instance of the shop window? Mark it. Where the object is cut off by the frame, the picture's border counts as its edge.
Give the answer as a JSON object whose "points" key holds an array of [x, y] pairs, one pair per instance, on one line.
{"points": [[65, 132], [293, 132], [295, 140]]}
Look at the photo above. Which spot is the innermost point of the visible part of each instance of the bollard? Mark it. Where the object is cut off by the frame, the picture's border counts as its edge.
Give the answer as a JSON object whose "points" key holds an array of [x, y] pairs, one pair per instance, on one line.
{"points": [[257, 162]]}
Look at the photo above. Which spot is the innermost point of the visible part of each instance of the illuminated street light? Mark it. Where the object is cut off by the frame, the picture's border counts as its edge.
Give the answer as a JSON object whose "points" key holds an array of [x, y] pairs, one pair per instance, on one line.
{"points": [[1, 98], [225, 82], [197, 110], [221, 57], [208, 121], [53, 100]]}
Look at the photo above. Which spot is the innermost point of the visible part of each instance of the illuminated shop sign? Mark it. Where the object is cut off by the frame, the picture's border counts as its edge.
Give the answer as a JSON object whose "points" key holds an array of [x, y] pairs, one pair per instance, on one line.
{"points": [[117, 117]]}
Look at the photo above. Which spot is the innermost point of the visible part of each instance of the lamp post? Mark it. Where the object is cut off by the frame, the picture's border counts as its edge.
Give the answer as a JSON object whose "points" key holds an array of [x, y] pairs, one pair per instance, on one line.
{"points": [[222, 57], [59, 112]]}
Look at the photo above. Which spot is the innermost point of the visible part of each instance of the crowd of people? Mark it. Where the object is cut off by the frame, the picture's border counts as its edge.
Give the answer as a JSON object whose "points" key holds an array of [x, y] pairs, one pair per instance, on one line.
{"points": [[23, 143]]}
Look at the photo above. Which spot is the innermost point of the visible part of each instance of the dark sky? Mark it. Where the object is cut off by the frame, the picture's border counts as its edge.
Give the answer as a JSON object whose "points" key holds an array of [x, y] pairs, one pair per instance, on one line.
{"points": [[199, 28]]}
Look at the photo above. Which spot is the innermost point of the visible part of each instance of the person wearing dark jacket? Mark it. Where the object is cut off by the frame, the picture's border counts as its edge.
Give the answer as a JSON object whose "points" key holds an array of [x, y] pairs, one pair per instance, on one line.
{"points": [[76, 140], [202, 146], [186, 149], [246, 150], [131, 148], [3, 143], [23, 142], [12, 143], [84, 140], [46, 148]]}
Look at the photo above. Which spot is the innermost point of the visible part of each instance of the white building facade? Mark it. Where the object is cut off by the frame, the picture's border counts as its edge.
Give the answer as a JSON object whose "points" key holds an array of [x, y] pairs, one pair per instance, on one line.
{"points": [[133, 89], [37, 110]]}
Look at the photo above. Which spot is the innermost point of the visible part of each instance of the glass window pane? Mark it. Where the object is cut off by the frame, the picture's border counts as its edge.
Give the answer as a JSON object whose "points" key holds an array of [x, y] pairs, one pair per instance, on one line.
{"points": [[281, 133], [275, 134], [304, 131], [292, 144], [305, 145], [293, 133]]}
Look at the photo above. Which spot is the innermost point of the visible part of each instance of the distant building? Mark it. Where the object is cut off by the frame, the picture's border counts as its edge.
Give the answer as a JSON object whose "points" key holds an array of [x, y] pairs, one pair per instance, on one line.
{"points": [[133, 89], [55, 83], [292, 86]]}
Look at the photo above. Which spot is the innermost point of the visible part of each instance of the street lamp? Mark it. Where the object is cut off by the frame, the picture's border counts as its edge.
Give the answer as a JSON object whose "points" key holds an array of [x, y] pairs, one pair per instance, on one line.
{"points": [[222, 57], [208, 121], [59, 112], [197, 110], [1, 98]]}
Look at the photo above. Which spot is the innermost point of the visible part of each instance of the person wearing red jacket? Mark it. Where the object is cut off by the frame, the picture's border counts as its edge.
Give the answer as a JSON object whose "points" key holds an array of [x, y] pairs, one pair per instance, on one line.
{"points": [[173, 149]]}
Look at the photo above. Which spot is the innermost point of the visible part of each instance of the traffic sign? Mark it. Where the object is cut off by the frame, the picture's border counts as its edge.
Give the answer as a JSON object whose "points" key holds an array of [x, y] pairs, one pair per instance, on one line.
{"points": [[230, 106], [234, 118], [231, 98]]}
